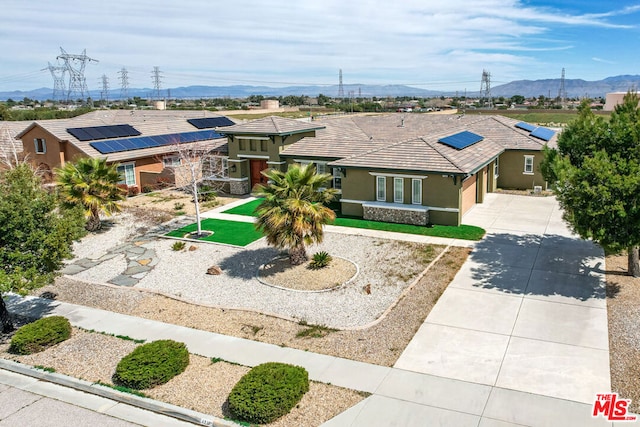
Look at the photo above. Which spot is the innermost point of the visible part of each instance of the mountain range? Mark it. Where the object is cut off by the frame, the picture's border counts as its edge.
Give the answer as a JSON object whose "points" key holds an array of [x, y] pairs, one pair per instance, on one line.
{"points": [[575, 88]]}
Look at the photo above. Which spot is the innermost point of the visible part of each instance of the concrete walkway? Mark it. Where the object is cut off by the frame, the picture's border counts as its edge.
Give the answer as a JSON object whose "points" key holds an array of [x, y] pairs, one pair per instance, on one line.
{"points": [[518, 338]]}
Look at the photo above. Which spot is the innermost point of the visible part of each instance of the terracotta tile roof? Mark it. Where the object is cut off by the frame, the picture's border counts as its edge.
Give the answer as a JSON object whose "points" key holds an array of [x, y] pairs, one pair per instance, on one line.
{"points": [[148, 122], [271, 125]]}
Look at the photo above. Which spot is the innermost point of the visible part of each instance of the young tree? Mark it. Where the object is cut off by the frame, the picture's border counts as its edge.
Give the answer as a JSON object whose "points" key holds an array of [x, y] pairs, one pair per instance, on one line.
{"points": [[597, 172], [92, 184], [35, 234], [197, 163], [294, 209]]}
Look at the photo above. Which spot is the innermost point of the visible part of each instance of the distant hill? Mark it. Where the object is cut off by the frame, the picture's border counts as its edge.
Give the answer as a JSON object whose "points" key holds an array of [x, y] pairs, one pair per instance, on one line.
{"points": [[573, 87], [528, 88]]}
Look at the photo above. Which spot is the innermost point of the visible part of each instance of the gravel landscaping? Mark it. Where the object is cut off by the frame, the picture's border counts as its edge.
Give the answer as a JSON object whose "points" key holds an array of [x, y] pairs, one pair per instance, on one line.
{"points": [[623, 309], [386, 268], [203, 387]]}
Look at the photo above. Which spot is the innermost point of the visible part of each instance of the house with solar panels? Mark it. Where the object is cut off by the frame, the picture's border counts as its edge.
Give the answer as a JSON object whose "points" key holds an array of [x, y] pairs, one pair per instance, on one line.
{"points": [[142, 143], [416, 168]]}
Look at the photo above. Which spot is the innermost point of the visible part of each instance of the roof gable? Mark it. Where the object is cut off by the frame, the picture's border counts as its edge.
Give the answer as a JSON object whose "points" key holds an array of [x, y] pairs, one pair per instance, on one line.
{"points": [[271, 125]]}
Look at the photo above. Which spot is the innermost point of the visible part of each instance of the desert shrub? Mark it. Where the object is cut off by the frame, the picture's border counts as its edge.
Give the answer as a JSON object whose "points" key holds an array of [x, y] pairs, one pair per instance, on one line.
{"points": [[178, 206], [40, 335], [206, 193], [178, 246], [319, 260], [151, 364], [133, 190], [268, 392]]}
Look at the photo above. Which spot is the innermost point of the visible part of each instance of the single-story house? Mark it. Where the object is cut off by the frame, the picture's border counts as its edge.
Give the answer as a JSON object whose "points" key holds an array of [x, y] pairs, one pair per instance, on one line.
{"points": [[416, 168], [142, 142]]}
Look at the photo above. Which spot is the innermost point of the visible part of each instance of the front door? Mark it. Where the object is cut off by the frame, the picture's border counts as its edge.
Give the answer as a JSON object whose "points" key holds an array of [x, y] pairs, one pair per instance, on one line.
{"points": [[256, 166]]}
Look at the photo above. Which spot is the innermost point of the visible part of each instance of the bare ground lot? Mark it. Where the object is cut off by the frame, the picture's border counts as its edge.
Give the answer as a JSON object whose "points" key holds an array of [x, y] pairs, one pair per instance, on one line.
{"points": [[623, 308]]}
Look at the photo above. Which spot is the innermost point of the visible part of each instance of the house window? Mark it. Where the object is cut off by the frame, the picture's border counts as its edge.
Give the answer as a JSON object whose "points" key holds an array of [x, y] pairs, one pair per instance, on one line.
{"points": [[41, 145], [398, 190], [416, 191], [381, 188], [496, 168], [337, 178], [171, 161], [252, 145], [241, 145], [528, 165], [127, 174], [216, 167], [263, 145]]}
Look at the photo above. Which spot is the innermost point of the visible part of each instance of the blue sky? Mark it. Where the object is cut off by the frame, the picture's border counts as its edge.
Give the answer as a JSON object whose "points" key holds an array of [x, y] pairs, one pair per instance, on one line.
{"points": [[434, 44]]}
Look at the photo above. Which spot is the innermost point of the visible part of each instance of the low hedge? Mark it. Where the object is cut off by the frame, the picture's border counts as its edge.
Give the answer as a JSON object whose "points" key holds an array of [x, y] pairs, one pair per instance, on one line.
{"points": [[268, 392], [151, 364], [40, 335]]}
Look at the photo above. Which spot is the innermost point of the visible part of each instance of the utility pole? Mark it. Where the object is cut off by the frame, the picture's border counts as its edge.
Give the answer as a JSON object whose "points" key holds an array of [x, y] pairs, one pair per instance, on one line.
{"points": [[156, 75], [75, 65], [485, 88], [59, 88], [124, 84], [340, 87], [104, 94]]}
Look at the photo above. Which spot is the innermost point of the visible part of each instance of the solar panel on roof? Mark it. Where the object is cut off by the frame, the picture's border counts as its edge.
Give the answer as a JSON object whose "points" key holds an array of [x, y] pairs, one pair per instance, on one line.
{"points": [[128, 144], [543, 133], [461, 140], [526, 126], [210, 122], [93, 133]]}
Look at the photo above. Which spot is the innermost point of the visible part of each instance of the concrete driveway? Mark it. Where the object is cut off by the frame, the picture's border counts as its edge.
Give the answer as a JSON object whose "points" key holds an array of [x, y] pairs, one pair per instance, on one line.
{"points": [[521, 332]]}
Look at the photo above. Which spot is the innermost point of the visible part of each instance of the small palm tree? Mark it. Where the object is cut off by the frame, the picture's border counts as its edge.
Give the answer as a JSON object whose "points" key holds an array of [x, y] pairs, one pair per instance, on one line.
{"points": [[294, 209], [92, 184]]}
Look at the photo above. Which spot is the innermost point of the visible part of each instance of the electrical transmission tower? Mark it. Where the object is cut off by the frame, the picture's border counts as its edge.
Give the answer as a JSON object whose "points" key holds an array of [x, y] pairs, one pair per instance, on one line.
{"points": [[124, 84], [59, 87], [75, 65], [340, 87], [562, 93], [157, 82], [104, 94], [485, 89]]}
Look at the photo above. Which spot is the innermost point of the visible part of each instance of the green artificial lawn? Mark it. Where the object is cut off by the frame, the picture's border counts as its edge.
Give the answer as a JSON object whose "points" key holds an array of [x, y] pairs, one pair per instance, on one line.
{"points": [[229, 232], [246, 209], [464, 232]]}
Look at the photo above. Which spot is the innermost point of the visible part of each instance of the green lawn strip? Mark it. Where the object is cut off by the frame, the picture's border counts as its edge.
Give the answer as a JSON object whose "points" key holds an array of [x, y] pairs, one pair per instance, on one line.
{"points": [[464, 232], [229, 232], [246, 209]]}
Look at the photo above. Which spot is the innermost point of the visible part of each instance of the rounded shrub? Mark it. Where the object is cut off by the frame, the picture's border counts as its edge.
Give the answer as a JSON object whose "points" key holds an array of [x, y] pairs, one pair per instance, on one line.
{"points": [[151, 364], [40, 335], [268, 392]]}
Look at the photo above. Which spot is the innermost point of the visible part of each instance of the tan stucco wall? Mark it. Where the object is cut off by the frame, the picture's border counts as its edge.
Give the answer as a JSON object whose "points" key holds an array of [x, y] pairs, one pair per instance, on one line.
{"points": [[437, 191], [512, 170]]}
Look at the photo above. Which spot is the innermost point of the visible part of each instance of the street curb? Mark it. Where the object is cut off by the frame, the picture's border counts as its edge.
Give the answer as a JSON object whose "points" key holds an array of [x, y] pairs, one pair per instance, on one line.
{"points": [[148, 404]]}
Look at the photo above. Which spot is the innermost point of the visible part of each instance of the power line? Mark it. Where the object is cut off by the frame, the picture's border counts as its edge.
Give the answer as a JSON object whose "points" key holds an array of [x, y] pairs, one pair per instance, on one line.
{"points": [[124, 83], [75, 65], [157, 81]]}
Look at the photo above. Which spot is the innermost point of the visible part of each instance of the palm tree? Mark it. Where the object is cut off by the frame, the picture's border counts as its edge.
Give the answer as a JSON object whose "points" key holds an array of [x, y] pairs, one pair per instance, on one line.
{"points": [[92, 184], [294, 209]]}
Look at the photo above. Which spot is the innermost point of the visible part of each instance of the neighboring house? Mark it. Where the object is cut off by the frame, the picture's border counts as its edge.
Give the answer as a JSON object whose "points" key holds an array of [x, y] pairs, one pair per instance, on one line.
{"points": [[10, 148], [417, 169], [142, 143]]}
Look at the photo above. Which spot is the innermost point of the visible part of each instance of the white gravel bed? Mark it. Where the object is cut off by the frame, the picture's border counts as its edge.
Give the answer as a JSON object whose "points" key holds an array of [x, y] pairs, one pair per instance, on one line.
{"points": [[183, 274], [94, 245], [104, 271]]}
